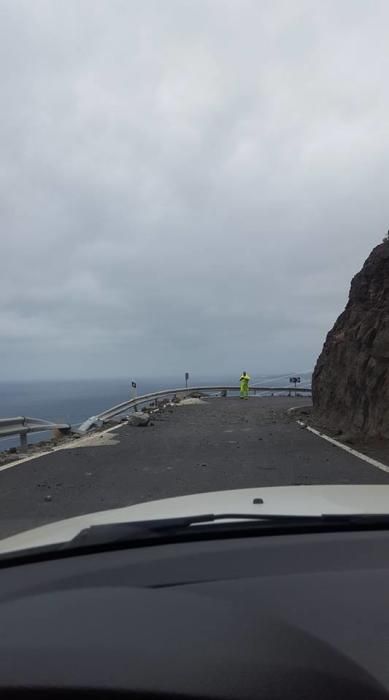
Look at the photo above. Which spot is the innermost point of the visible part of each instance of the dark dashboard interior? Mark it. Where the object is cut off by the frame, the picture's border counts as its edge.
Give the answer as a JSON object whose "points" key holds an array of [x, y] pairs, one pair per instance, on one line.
{"points": [[292, 616]]}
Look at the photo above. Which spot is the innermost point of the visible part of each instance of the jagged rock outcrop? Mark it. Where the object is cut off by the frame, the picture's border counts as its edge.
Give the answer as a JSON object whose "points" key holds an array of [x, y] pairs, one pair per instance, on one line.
{"points": [[350, 382]]}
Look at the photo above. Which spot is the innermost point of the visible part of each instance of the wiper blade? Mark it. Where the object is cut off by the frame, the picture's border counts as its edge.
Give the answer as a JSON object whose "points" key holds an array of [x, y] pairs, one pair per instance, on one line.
{"points": [[145, 532], [145, 529]]}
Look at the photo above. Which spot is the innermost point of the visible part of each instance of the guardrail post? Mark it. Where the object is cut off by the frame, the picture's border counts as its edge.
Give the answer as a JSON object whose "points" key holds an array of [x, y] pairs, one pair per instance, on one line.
{"points": [[23, 440]]}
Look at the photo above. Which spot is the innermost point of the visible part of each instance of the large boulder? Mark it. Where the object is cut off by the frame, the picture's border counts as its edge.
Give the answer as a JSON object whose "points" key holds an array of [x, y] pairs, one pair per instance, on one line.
{"points": [[139, 419], [350, 383]]}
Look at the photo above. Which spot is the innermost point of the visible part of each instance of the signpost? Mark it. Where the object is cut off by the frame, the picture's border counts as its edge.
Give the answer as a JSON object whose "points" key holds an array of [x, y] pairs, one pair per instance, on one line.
{"points": [[295, 381], [133, 392], [186, 379]]}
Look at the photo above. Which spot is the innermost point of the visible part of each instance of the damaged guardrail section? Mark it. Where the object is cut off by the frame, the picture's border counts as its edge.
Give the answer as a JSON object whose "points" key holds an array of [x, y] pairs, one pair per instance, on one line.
{"points": [[22, 425]]}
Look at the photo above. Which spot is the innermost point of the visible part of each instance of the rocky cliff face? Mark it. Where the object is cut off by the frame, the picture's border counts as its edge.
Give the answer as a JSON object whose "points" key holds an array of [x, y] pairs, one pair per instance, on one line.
{"points": [[350, 383]]}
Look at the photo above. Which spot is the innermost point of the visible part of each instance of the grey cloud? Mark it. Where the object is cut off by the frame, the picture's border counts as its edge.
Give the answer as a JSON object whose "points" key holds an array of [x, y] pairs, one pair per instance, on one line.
{"points": [[189, 188]]}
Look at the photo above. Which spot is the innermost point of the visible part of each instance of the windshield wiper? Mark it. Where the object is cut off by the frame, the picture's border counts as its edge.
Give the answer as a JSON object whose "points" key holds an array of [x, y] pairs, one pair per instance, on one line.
{"points": [[122, 535], [155, 529]]}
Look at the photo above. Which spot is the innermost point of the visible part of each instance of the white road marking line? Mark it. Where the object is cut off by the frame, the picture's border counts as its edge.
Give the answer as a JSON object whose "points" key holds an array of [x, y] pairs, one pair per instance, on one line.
{"points": [[87, 438], [297, 408], [350, 450]]}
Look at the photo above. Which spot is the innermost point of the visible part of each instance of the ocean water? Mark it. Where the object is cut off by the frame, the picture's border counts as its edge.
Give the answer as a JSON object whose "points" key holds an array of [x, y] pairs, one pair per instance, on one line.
{"points": [[70, 401], [66, 401], [73, 401]]}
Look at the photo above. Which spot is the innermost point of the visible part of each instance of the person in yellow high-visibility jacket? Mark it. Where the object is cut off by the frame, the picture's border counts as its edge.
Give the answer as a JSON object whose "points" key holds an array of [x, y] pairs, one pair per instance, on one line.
{"points": [[244, 385]]}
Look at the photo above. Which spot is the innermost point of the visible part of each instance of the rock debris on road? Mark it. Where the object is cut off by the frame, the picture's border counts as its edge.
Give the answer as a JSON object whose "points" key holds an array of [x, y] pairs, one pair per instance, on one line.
{"points": [[216, 445]]}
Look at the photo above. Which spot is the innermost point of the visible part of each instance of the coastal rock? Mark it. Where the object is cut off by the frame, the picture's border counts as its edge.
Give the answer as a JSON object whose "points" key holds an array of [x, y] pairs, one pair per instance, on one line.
{"points": [[350, 383], [139, 419]]}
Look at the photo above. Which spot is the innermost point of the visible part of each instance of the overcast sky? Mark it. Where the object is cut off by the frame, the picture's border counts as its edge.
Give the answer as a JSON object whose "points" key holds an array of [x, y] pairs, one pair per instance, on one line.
{"points": [[186, 184]]}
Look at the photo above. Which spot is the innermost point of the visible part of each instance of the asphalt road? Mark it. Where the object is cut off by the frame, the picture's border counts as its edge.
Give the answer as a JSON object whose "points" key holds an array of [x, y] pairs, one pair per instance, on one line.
{"points": [[221, 444]]}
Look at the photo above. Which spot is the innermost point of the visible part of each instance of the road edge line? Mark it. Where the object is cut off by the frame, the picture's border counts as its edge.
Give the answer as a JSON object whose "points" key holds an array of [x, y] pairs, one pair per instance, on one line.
{"points": [[350, 450], [82, 440], [297, 408]]}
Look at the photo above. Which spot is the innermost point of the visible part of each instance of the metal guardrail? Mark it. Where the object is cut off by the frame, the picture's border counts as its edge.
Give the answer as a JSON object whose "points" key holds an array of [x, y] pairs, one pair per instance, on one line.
{"points": [[148, 398], [21, 425]]}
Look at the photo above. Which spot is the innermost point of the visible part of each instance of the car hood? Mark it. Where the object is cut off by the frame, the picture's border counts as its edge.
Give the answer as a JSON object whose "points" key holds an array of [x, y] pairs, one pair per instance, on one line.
{"points": [[280, 500]]}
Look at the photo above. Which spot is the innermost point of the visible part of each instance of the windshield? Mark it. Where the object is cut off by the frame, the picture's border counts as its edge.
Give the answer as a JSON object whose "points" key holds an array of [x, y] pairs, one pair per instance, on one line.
{"points": [[187, 190]]}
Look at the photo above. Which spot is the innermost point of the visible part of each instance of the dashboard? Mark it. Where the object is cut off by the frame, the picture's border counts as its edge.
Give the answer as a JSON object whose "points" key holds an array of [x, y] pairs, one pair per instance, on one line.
{"points": [[291, 616]]}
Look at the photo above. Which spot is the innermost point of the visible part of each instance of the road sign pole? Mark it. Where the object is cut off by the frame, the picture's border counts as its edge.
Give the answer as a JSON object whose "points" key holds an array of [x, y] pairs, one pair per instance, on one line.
{"points": [[133, 393], [295, 381]]}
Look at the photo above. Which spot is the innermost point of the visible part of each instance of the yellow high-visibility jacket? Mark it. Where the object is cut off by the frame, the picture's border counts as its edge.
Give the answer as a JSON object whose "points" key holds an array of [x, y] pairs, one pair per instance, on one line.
{"points": [[245, 378]]}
